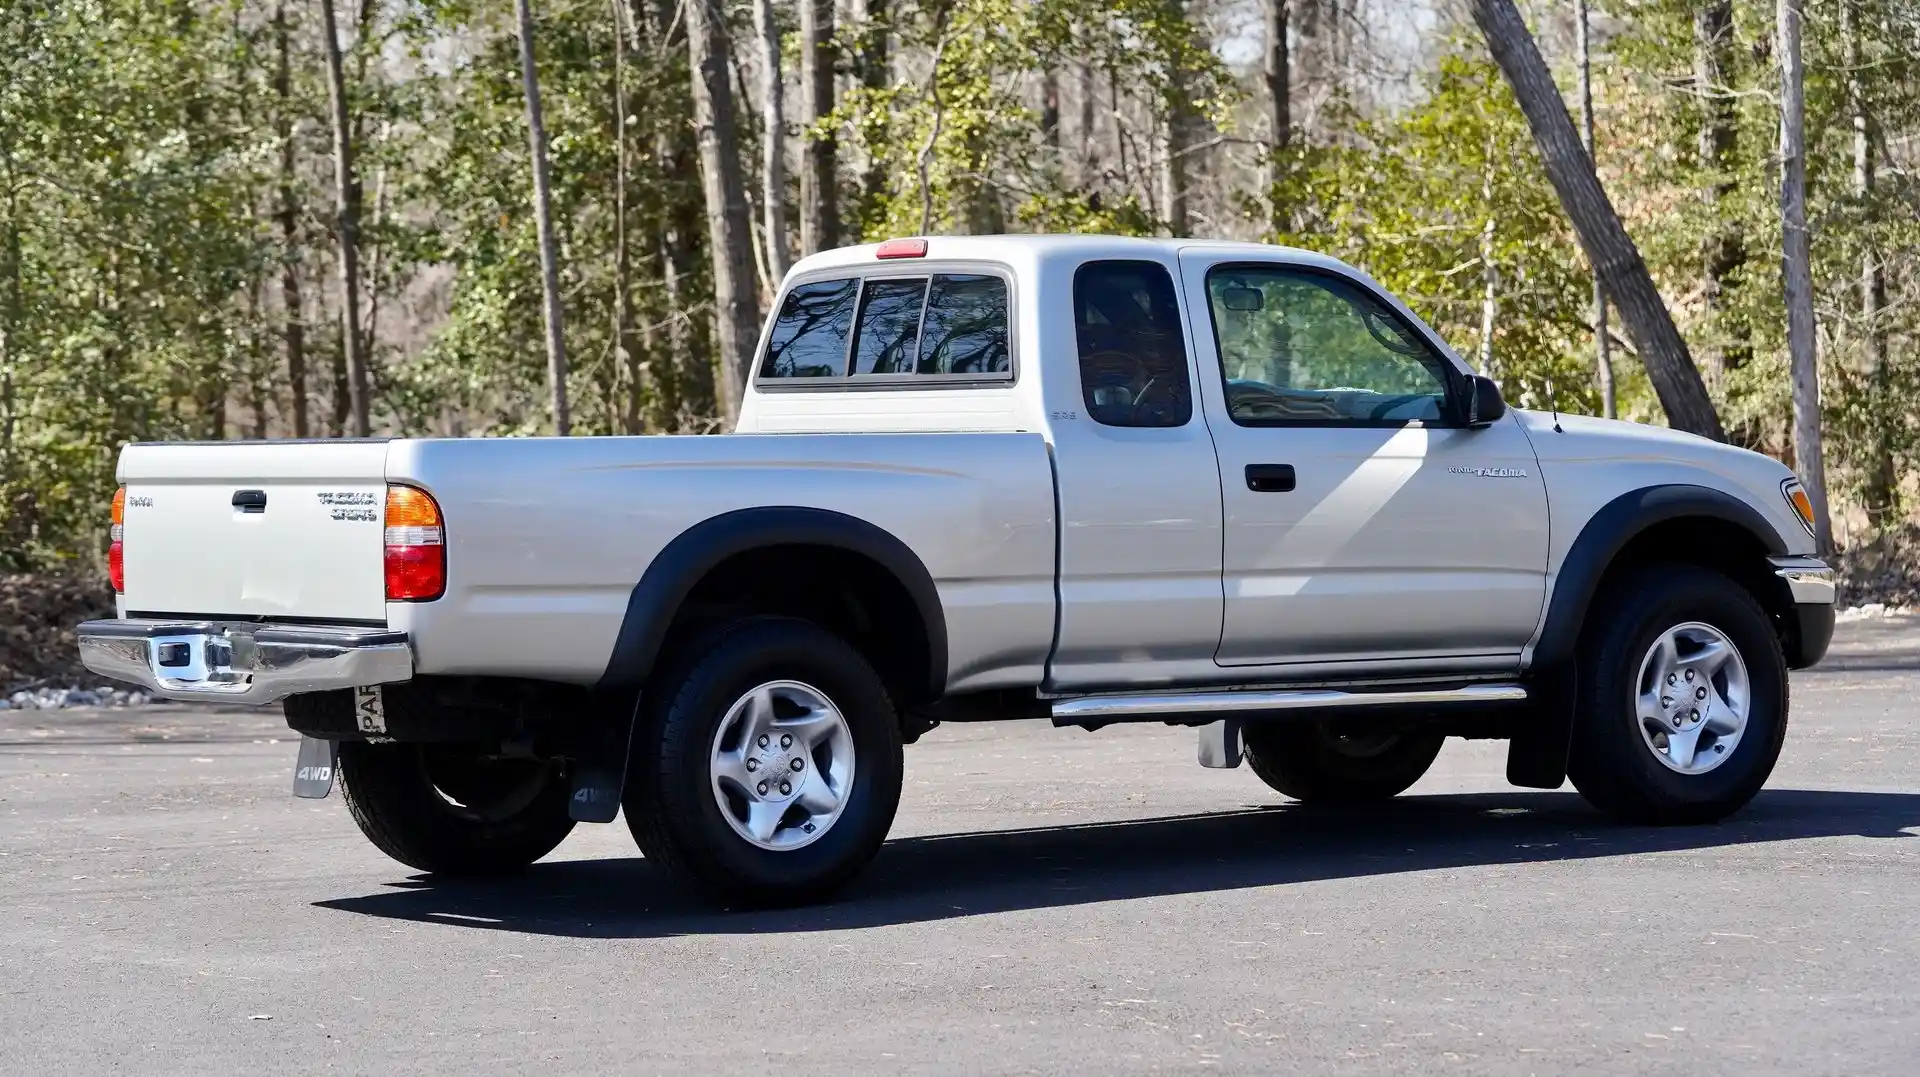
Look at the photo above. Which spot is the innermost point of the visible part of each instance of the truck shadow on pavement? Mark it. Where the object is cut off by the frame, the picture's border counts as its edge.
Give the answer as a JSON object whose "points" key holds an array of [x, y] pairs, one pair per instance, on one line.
{"points": [[937, 877]]}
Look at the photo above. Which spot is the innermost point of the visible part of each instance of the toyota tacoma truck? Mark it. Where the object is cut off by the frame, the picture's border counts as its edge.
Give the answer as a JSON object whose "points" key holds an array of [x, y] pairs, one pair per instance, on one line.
{"points": [[1075, 479]]}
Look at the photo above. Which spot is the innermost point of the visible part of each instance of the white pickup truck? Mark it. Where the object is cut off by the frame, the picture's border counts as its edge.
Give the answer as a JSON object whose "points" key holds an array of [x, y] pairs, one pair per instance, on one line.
{"points": [[1079, 479]]}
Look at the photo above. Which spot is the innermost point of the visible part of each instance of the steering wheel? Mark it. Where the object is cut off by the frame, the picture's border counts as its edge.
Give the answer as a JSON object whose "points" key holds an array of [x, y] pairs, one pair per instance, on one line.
{"points": [[1380, 410]]}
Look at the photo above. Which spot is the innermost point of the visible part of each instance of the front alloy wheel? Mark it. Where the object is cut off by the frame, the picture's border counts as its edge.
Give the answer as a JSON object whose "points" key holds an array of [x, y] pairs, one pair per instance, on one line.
{"points": [[1694, 696], [1682, 701]]}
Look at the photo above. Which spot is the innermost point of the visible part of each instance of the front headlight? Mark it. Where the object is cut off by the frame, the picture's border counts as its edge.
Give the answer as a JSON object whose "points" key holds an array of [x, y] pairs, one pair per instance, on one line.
{"points": [[1796, 496]]}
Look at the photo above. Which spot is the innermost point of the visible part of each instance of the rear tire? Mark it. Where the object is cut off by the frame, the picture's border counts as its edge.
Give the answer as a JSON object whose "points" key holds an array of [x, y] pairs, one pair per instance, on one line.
{"points": [[701, 785], [452, 810], [1311, 763], [1699, 748]]}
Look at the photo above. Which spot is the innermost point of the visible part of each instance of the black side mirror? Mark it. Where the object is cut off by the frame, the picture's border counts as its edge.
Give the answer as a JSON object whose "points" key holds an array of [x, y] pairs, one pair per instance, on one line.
{"points": [[1242, 299], [1482, 401]]}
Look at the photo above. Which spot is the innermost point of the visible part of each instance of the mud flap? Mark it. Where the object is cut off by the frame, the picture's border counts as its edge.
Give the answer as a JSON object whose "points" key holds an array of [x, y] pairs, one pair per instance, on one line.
{"points": [[1537, 755], [1220, 744], [313, 768], [599, 770]]}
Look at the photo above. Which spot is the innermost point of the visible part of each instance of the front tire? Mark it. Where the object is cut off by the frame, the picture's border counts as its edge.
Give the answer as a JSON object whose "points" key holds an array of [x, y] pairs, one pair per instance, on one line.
{"points": [[1682, 706], [1314, 763], [769, 768], [452, 809]]}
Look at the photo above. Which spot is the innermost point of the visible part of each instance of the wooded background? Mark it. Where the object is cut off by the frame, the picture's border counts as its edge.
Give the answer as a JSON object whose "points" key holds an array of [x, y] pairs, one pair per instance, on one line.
{"points": [[273, 218]]}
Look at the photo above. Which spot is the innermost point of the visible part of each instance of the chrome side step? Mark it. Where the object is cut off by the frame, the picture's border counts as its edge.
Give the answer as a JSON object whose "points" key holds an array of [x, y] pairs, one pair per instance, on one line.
{"points": [[1153, 706]]}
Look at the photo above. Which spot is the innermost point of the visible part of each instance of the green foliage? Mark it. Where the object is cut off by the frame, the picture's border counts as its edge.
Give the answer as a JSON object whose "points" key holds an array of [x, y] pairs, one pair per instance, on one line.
{"points": [[1420, 198], [960, 142], [141, 257], [128, 225]]}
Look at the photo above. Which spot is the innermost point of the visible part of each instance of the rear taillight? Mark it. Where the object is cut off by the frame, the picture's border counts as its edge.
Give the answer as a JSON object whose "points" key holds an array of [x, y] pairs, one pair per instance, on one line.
{"points": [[416, 546], [116, 545]]}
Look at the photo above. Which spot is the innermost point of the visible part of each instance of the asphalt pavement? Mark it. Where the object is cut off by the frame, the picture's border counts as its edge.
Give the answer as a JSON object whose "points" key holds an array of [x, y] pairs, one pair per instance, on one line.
{"points": [[1051, 902]]}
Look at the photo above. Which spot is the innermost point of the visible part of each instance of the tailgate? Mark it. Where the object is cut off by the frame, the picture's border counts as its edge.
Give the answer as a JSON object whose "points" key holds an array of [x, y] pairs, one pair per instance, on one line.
{"points": [[256, 529]]}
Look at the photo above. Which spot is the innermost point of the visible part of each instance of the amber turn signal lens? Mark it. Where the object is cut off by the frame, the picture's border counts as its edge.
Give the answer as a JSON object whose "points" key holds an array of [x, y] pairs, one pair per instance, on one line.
{"points": [[409, 506], [1802, 504], [416, 554]]}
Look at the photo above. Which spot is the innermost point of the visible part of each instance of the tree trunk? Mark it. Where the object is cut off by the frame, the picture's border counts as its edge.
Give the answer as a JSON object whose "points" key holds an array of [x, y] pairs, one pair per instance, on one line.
{"points": [[684, 396], [259, 372], [543, 221], [1173, 156], [342, 395], [294, 328], [1611, 251], [629, 361], [1089, 138], [1881, 483], [1798, 266], [729, 227], [773, 142], [1050, 109], [12, 311], [1489, 266], [819, 175], [1724, 248], [875, 73], [1602, 349], [347, 227], [374, 249], [1173, 176], [1279, 108]]}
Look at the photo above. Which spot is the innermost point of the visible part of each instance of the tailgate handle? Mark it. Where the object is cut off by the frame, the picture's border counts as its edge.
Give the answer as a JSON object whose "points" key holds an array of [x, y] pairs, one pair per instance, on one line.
{"points": [[250, 500]]}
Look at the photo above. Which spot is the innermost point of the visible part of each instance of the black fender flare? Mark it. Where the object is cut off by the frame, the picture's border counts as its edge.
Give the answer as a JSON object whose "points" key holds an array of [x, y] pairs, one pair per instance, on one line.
{"points": [[1538, 754], [682, 563], [1608, 531]]}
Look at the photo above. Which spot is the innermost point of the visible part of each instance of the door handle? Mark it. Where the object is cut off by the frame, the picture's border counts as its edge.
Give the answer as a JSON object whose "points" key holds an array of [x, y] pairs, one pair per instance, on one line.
{"points": [[1270, 478], [250, 500]]}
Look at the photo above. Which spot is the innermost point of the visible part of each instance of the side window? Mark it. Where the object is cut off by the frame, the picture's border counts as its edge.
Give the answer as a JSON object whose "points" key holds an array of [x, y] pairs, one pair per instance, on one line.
{"points": [[1133, 358], [1298, 347], [889, 326], [809, 339], [965, 331]]}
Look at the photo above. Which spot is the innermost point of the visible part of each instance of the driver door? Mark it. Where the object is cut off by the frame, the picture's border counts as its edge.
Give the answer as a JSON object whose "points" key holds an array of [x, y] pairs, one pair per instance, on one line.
{"points": [[1368, 531]]}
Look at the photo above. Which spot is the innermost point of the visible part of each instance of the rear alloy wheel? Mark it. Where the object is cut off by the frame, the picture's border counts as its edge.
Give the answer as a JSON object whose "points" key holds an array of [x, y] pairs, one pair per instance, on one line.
{"points": [[1682, 706], [454, 808], [1316, 763], [782, 764], [769, 766]]}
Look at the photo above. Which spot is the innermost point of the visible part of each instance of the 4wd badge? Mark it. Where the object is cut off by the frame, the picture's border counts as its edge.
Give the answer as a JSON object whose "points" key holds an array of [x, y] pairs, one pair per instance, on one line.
{"points": [[314, 768]]}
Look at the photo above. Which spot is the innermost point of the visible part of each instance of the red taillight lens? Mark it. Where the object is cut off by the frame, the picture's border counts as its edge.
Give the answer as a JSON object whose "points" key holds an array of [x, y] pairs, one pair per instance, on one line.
{"points": [[116, 545], [416, 546]]}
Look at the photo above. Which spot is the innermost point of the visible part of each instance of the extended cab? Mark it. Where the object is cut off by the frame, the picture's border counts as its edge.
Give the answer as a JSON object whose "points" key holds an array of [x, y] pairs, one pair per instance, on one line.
{"points": [[1079, 479]]}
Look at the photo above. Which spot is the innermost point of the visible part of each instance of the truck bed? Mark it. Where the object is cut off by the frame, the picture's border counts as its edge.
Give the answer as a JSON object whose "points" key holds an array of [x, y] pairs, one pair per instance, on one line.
{"points": [[547, 537]]}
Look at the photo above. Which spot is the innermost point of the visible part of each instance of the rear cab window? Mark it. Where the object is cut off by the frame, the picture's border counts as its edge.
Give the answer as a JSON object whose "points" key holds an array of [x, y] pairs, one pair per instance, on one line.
{"points": [[1133, 356], [895, 331]]}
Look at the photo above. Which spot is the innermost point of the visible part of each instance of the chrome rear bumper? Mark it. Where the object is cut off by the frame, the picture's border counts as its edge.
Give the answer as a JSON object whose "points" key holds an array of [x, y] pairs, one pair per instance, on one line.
{"points": [[230, 662]]}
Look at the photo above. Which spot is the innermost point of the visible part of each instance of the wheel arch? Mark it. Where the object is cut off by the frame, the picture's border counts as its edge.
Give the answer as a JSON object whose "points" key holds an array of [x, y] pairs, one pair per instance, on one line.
{"points": [[1675, 522], [1672, 522], [804, 547]]}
